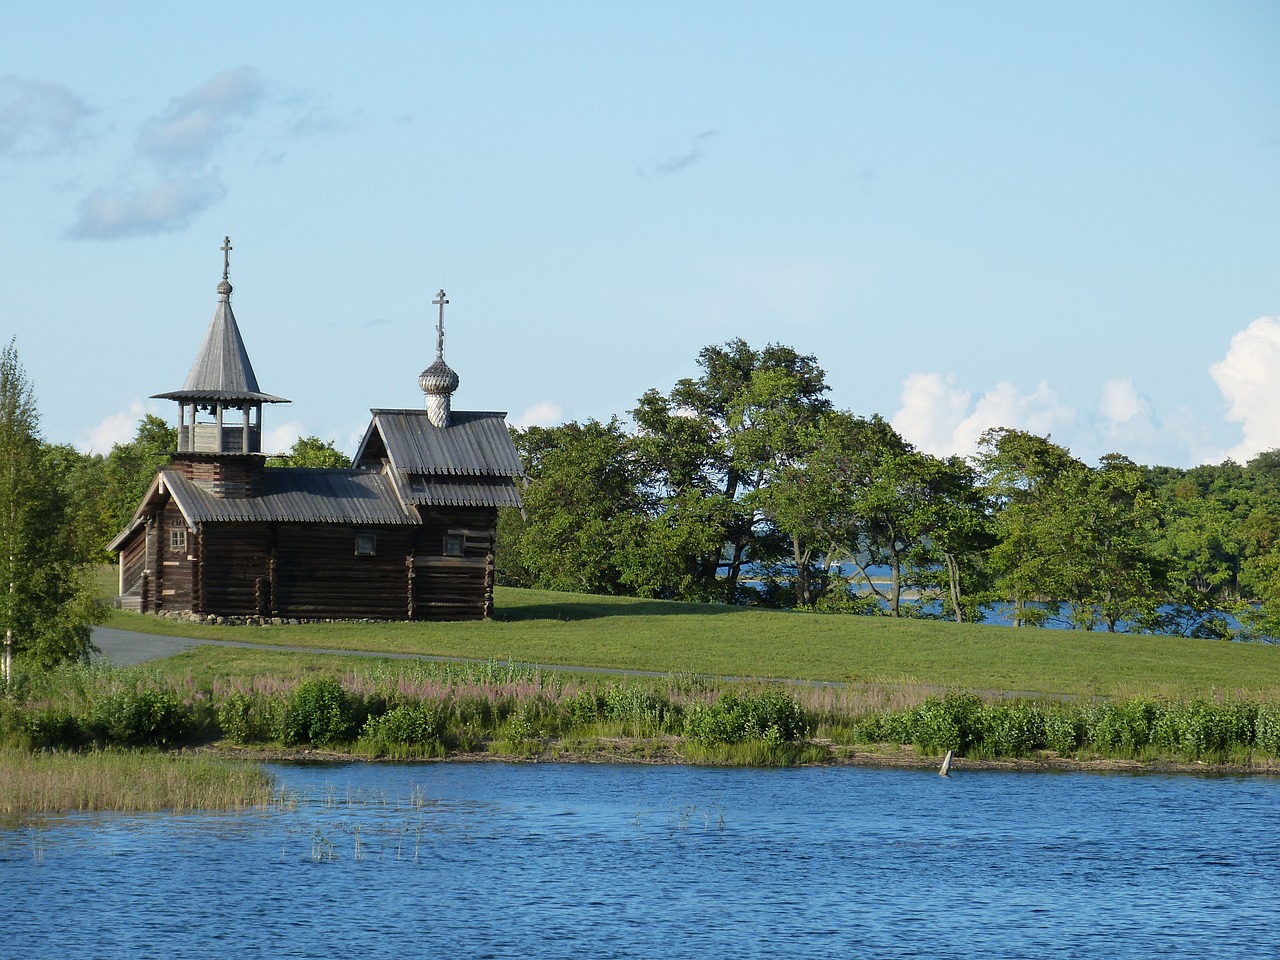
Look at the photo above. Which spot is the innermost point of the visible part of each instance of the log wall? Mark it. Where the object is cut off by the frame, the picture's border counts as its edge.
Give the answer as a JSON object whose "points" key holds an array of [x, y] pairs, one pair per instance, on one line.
{"points": [[133, 560], [454, 588], [312, 570], [234, 559], [175, 568], [232, 477], [318, 574]]}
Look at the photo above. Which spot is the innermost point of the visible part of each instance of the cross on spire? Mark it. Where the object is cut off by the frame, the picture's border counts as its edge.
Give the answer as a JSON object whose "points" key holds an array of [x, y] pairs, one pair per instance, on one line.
{"points": [[440, 301], [226, 257]]}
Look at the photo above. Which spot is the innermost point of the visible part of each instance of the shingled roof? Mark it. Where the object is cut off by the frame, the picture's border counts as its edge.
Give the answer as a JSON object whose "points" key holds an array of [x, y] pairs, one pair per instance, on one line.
{"points": [[295, 494], [471, 462], [221, 370], [476, 443]]}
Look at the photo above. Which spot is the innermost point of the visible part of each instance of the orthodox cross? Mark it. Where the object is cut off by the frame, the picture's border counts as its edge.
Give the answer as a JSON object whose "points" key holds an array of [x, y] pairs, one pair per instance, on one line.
{"points": [[440, 301], [226, 257]]}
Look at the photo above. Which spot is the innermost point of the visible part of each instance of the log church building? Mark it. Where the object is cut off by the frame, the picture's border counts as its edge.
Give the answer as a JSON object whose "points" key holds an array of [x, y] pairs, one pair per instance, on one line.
{"points": [[407, 533]]}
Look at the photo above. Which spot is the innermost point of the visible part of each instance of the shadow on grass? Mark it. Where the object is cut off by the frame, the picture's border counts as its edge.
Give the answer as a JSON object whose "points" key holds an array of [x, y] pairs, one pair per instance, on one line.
{"points": [[589, 610]]}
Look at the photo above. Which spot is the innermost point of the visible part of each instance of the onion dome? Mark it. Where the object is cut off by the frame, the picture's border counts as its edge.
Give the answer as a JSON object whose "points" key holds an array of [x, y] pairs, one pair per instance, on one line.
{"points": [[439, 381], [438, 378]]}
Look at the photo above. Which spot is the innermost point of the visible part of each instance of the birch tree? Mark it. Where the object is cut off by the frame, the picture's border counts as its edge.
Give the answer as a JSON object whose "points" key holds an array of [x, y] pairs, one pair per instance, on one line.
{"points": [[46, 601]]}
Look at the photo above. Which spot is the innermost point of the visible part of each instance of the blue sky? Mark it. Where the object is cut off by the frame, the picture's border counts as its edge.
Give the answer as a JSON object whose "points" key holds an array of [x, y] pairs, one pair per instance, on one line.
{"points": [[1058, 217]]}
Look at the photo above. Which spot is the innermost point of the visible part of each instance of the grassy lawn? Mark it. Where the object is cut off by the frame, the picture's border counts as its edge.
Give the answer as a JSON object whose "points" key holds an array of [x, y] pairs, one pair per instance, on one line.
{"points": [[557, 629]]}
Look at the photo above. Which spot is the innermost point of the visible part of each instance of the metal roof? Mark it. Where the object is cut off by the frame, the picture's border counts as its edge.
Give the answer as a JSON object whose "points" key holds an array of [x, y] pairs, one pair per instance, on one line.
{"points": [[475, 444], [298, 494], [462, 492], [221, 370]]}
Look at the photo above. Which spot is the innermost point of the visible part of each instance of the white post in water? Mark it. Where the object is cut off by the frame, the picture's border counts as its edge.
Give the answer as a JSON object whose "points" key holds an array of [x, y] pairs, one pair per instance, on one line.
{"points": [[946, 765]]}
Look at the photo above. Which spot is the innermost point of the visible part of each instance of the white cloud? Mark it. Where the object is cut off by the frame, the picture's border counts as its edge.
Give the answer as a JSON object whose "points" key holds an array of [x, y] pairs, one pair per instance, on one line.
{"points": [[38, 118], [1121, 403], [280, 439], [196, 123], [933, 407], [545, 414], [941, 418], [180, 141], [166, 207], [1249, 378], [116, 428]]}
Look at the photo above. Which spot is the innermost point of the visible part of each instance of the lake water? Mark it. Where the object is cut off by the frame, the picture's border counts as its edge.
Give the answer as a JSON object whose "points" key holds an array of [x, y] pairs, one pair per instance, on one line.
{"points": [[550, 860]]}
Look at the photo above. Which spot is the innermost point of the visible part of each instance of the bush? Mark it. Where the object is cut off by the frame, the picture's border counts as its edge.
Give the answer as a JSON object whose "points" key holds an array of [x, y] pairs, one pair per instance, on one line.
{"points": [[1012, 729], [144, 718], [1064, 730], [244, 719], [318, 711], [1126, 727], [1266, 729], [772, 717], [408, 725], [952, 722], [54, 728]]}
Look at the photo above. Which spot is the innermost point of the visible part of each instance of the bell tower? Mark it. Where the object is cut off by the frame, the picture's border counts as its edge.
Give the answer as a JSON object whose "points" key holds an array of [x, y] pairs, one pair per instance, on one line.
{"points": [[220, 406]]}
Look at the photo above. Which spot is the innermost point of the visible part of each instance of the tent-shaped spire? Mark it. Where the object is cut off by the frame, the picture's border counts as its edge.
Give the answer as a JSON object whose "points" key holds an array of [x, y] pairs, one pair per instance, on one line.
{"points": [[221, 370]]}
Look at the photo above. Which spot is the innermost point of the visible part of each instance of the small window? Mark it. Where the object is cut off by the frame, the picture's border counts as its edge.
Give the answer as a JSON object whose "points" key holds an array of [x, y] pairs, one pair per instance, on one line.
{"points": [[453, 543], [178, 539], [366, 544]]}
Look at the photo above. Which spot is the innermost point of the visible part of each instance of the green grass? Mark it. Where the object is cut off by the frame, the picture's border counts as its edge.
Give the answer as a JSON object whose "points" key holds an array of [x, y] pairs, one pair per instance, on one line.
{"points": [[128, 781], [557, 629]]}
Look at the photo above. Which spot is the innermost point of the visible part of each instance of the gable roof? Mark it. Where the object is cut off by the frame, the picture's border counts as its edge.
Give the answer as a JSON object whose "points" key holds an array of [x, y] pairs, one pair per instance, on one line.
{"points": [[221, 370], [290, 494], [476, 443]]}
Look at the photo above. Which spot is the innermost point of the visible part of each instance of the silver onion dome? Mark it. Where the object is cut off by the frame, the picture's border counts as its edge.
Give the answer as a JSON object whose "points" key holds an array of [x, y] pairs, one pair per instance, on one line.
{"points": [[438, 379]]}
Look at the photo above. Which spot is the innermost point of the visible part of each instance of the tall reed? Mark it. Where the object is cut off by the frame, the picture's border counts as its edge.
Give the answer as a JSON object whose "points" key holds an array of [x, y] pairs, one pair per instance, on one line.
{"points": [[128, 781]]}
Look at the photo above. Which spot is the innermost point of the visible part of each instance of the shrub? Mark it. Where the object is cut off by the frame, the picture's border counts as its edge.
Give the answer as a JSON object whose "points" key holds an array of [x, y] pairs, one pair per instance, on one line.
{"points": [[584, 708], [143, 718], [951, 722], [1012, 729], [1205, 727], [1064, 730], [318, 711], [54, 728], [770, 716], [1125, 727], [1266, 729], [636, 708], [244, 719], [408, 725]]}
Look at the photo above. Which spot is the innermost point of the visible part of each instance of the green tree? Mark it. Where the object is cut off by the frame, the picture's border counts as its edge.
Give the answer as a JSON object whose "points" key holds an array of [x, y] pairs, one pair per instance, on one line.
{"points": [[130, 467], [1089, 538], [312, 452], [582, 509], [46, 598], [1107, 534], [721, 436], [1021, 474]]}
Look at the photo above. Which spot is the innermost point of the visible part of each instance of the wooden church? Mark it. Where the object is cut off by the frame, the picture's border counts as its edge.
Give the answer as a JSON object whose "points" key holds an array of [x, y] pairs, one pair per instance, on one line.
{"points": [[406, 534]]}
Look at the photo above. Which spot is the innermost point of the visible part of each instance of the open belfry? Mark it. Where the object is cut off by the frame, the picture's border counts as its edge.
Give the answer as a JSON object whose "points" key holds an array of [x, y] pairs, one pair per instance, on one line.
{"points": [[407, 533]]}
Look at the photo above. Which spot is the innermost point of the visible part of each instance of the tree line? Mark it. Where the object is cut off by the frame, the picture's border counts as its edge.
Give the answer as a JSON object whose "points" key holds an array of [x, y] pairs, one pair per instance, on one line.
{"points": [[746, 485], [743, 485]]}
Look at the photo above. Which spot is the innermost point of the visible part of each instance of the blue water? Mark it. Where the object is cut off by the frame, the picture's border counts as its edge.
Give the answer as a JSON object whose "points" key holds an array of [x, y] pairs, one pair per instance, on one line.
{"points": [[547, 860]]}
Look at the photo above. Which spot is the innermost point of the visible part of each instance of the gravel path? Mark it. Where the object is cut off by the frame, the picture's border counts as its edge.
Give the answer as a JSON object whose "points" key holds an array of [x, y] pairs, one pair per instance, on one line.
{"points": [[124, 648]]}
